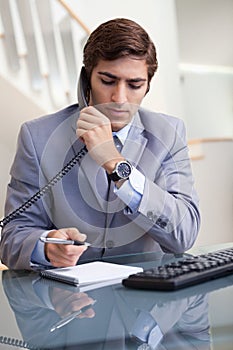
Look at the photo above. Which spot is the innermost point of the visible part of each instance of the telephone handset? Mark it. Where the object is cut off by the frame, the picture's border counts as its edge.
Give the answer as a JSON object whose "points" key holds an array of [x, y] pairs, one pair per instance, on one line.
{"points": [[83, 87]]}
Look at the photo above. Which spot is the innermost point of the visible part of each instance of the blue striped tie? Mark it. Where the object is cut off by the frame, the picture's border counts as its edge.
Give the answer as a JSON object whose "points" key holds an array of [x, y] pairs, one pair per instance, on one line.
{"points": [[117, 142]]}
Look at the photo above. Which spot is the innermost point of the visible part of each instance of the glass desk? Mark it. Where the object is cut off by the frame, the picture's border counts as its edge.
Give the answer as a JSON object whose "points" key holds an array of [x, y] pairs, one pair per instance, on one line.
{"points": [[198, 317]]}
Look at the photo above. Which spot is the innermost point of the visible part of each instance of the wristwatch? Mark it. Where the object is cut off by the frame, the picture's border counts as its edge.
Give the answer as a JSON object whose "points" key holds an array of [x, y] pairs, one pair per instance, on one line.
{"points": [[122, 171]]}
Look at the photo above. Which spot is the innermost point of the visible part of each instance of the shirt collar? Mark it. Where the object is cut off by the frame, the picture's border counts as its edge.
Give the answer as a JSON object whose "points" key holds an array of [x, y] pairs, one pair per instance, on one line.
{"points": [[123, 133]]}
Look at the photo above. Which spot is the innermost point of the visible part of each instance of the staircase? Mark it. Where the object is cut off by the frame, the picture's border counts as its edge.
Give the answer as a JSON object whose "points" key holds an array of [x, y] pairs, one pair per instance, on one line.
{"points": [[41, 44]]}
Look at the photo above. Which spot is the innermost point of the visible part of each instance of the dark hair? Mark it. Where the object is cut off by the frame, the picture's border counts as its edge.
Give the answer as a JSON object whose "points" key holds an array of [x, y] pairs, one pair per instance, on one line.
{"points": [[118, 38]]}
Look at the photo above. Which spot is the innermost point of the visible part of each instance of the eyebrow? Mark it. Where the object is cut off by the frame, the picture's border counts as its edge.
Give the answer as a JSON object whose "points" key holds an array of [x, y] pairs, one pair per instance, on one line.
{"points": [[112, 76]]}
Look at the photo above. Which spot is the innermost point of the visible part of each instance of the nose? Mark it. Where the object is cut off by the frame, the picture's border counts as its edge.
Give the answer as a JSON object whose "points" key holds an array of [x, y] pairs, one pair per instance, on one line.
{"points": [[119, 94]]}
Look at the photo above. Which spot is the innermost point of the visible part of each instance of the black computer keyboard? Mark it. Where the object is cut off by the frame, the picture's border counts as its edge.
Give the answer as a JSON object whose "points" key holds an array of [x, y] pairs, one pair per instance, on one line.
{"points": [[183, 273]]}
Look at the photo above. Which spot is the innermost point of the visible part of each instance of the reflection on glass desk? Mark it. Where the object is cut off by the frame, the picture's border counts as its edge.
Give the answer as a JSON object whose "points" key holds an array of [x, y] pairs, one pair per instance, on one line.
{"points": [[45, 314]]}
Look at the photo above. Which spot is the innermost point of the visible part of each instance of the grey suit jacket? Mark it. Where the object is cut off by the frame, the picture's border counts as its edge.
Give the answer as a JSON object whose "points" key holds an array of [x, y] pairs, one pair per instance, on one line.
{"points": [[167, 217]]}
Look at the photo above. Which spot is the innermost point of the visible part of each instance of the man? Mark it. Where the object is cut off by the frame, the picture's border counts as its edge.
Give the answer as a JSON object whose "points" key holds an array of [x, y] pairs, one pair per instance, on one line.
{"points": [[134, 199]]}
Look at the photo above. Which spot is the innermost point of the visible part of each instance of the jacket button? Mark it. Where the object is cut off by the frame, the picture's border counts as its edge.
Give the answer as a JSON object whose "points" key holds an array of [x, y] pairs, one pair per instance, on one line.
{"points": [[150, 215], [109, 244]]}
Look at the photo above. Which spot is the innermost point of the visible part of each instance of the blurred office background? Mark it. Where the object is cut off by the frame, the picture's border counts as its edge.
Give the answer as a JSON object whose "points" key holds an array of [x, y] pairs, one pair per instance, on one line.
{"points": [[41, 45]]}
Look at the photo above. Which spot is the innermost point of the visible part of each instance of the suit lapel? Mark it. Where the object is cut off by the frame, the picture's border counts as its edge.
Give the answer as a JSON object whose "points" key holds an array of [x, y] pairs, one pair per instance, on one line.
{"points": [[134, 145]]}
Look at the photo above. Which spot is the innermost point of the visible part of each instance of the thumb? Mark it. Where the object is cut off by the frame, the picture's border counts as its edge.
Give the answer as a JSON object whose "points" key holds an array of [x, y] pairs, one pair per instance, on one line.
{"points": [[74, 234]]}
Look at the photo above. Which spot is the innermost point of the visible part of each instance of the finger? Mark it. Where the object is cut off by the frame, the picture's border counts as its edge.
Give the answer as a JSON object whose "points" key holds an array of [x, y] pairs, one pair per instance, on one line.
{"points": [[92, 116], [90, 313], [61, 262], [68, 233], [84, 127], [93, 126], [77, 304], [74, 234], [63, 255]]}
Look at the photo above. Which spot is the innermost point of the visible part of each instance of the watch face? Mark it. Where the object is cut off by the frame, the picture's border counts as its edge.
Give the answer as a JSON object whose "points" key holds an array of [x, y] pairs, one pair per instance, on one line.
{"points": [[123, 170]]}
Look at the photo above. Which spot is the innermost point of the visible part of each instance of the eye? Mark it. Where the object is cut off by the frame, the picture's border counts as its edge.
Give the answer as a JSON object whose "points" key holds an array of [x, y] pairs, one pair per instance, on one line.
{"points": [[135, 87], [107, 82]]}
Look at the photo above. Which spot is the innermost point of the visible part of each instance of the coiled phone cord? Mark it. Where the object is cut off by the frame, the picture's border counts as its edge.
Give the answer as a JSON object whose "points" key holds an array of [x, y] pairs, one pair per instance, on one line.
{"points": [[76, 159], [16, 342]]}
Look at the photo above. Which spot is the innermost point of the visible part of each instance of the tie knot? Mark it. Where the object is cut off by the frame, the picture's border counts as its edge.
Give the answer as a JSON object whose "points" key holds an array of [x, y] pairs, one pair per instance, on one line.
{"points": [[117, 142]]}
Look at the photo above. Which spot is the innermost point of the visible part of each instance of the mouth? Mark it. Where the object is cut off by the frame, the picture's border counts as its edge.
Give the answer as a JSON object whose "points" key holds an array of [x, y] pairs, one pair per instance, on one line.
{"points": [[116, 111]]}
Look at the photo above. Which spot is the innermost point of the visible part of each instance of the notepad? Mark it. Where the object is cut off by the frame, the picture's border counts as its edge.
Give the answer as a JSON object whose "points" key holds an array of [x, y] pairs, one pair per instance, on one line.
{"points": [[91, 275]]}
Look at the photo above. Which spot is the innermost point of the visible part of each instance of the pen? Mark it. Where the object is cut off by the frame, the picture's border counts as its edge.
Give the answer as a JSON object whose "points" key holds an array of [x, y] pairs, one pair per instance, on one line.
{"points": [[62, 241], [69, 318]]}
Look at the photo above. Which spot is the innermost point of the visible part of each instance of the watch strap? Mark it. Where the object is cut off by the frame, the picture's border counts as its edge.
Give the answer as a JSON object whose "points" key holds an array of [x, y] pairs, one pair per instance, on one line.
{"points": [[114, 176]]}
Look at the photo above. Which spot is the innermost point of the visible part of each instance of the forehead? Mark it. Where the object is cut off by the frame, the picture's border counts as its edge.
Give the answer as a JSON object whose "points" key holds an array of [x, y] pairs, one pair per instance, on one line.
{"points": [[124, 67]]}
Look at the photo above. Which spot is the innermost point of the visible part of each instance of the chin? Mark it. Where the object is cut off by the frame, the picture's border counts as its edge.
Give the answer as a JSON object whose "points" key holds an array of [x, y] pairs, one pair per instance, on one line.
{"points": [[118, 126]]}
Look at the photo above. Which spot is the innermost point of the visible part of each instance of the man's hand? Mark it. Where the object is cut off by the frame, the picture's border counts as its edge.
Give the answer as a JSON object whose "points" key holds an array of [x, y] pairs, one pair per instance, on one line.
{"points": [[61, 255], [94, 128], [65, 302]]}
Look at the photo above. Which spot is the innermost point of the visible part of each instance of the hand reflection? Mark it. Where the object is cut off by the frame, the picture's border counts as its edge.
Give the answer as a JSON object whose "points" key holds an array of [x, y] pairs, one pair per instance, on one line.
{"points": [[66, 303]]}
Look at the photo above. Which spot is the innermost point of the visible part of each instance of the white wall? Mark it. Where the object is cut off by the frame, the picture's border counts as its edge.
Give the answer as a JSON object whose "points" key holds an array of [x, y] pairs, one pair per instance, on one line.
{"points": [[214, 183], [208, 106], [205, 29]]}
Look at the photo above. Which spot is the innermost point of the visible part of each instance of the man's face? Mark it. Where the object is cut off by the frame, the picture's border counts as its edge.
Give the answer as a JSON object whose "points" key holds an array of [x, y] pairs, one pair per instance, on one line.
{"points": [[118, 87]]}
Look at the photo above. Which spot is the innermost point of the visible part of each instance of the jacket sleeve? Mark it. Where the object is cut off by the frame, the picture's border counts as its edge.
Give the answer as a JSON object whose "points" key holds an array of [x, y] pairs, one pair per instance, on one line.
{"points": [[20, 235], [168, 210]]}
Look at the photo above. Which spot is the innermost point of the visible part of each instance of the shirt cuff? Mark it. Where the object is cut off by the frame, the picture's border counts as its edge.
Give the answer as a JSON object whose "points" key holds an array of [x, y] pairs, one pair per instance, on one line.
{"points": [[131, 191], [38, 256]]}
